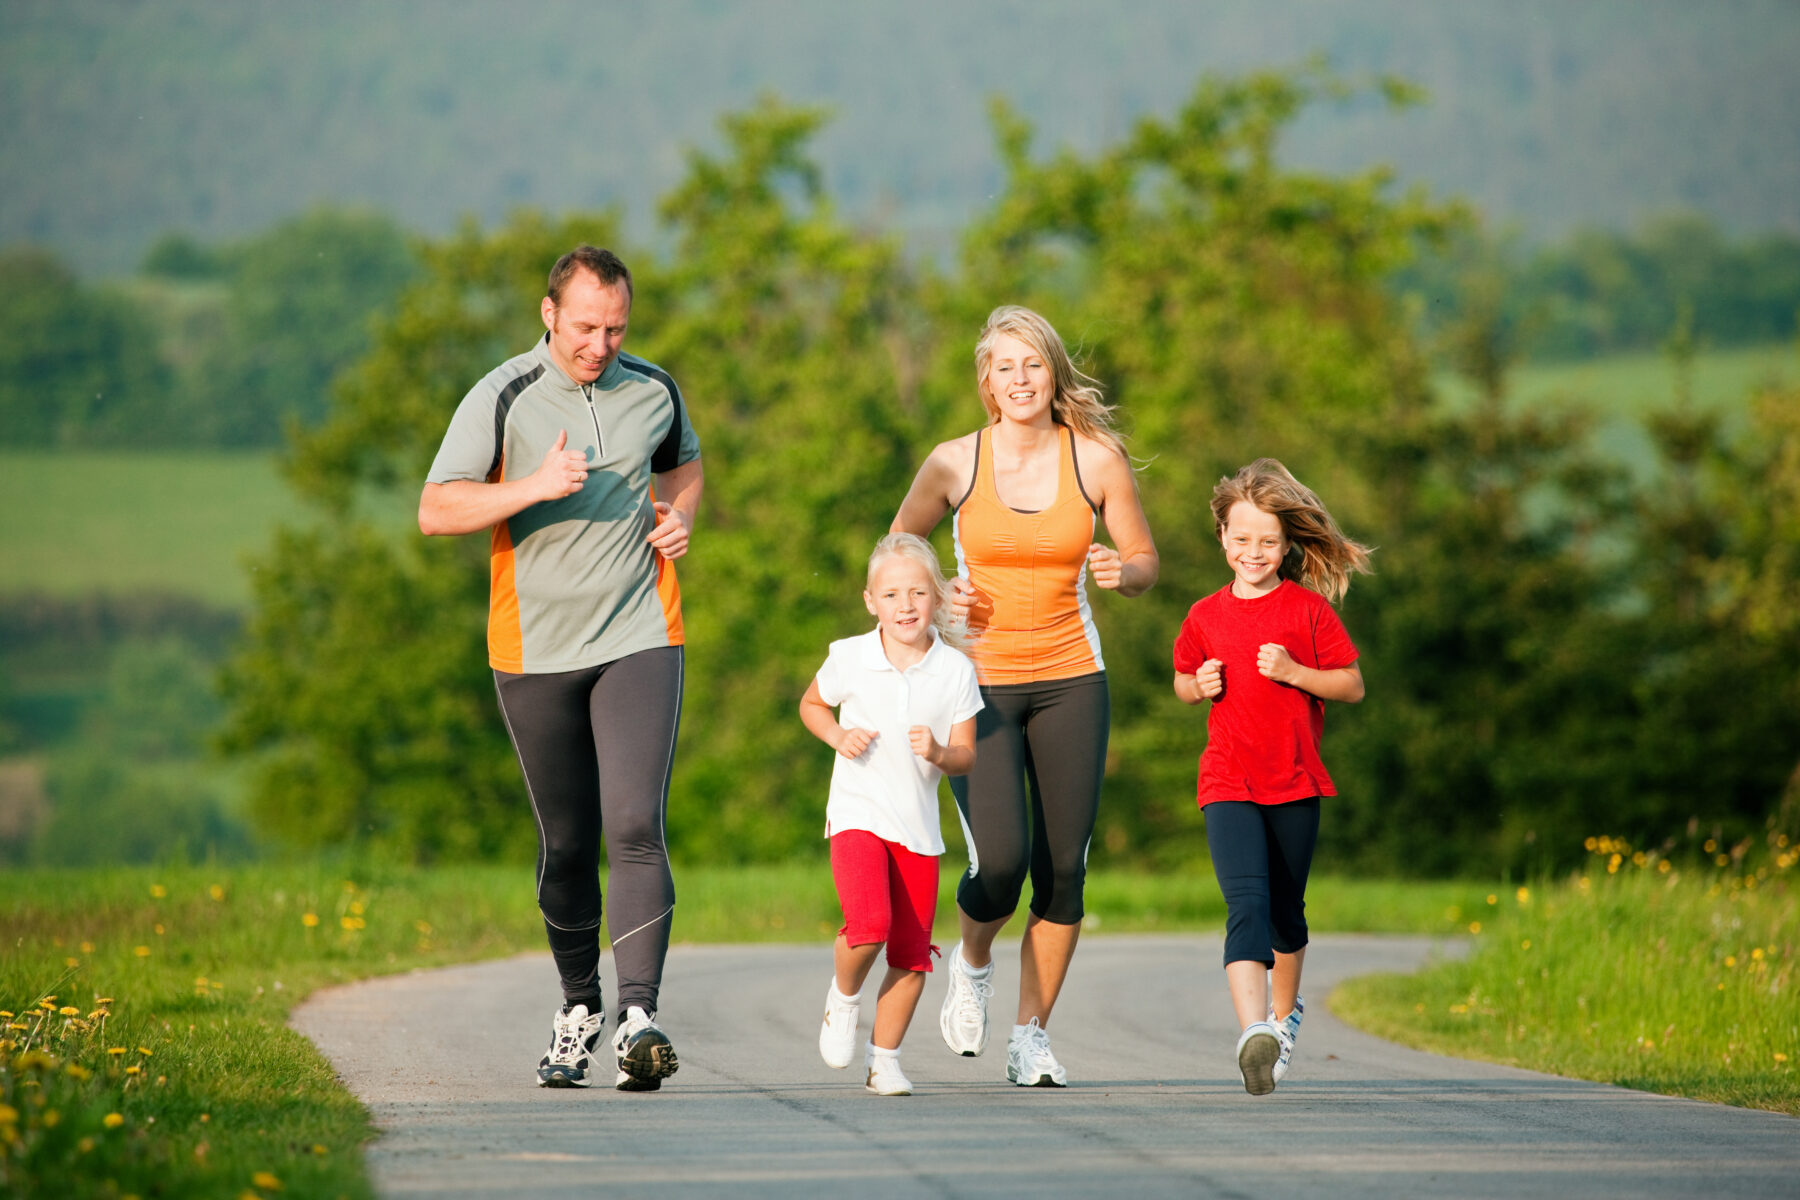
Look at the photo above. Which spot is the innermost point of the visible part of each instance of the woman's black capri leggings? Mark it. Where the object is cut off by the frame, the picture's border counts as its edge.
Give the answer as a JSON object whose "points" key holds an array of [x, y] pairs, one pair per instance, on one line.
{"points": [[1029, 805], [1261, 854]]}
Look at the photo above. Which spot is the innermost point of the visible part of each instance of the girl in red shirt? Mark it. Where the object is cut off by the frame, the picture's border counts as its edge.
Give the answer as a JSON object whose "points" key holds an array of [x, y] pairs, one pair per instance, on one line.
{"points": [[1267, 651]]}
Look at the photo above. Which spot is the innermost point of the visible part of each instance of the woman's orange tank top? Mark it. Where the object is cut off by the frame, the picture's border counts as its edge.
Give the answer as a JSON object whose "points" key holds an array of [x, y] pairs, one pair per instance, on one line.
{"points": [[1032, 567]]}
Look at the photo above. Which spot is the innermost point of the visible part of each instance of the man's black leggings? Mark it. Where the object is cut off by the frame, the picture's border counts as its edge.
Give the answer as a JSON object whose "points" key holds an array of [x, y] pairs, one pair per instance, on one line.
{"points": [[596, 747], [1262, 854]]}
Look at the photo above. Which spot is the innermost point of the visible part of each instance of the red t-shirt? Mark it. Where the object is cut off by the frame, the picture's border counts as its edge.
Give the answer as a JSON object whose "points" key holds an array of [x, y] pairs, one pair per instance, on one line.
{"points": [[1262, 737]]}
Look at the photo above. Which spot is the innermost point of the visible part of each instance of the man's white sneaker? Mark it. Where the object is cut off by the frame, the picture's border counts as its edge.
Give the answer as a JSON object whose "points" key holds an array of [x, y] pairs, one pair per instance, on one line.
{"points": [[837, 1035], [574, 1036], [963, 1020], [1287, 1030], [1029, 1062], [885, 1076], [1257, 1049], [645, 1056]]}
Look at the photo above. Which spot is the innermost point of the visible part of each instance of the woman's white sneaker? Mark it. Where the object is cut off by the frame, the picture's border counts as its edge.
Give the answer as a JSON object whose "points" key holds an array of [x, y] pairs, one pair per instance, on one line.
{"points": [[837, 1034], [1257, 1049], [1029, 1062], [885, 1076], [964, 1020]]}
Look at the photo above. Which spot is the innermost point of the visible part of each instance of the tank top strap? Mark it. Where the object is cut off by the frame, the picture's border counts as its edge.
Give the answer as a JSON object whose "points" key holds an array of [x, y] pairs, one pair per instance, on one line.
{"points": [[1068, 474]]}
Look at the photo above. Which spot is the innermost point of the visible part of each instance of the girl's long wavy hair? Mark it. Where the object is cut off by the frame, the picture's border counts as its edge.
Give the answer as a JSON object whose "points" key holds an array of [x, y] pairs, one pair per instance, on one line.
{"points": [[1319, 556], [950, 629], [1078, 402]]}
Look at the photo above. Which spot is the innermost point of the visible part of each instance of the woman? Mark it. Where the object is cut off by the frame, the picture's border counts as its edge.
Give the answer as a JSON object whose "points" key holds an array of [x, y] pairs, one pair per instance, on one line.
{"points": [[1023, 493]]}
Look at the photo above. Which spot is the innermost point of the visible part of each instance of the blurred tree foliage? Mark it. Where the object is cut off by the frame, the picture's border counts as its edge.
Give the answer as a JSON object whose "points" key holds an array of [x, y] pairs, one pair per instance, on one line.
{"points": [[79, 366], [1550, 653], [1600, 292]]}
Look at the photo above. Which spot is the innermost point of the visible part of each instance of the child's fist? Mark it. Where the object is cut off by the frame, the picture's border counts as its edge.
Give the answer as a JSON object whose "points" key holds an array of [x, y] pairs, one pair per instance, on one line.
{"points": [[854, 742], [1272, 662], [1210, 678], [923, 744]]}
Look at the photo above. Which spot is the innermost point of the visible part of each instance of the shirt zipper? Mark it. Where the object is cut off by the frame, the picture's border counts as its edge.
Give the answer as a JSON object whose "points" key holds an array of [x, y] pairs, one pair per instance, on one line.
{"points": [[600, 447]]}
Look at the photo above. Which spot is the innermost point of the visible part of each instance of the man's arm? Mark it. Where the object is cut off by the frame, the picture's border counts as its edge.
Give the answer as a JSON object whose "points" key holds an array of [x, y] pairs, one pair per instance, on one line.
{"points": [[466, 505], [682, 486]]}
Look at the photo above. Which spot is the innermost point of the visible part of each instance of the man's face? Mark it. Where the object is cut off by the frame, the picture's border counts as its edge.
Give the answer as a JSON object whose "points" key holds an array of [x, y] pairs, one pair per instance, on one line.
{"points": [[588, 327]]}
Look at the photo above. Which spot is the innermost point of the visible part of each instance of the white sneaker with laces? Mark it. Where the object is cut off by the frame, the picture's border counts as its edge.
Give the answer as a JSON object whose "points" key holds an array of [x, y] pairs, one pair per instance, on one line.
{"points": [[963, 1020], [837, 1034], [1029, 1062], [1287, 1031], [574, 1036], [1257, 1049], [885, 1076], [645, 1056]]}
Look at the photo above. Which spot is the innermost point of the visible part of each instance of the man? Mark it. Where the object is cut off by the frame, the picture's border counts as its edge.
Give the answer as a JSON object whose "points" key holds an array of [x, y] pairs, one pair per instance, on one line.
{"points": [[581, 461]]}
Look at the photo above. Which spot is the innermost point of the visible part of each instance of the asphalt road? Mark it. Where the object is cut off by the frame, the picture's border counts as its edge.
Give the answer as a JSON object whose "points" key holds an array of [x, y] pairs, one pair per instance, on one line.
{"points": [[446, 1062]]}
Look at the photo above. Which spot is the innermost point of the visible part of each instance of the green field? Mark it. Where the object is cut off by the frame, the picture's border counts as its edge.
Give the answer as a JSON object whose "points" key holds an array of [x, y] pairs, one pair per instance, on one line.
{"points": [[184, 523]]}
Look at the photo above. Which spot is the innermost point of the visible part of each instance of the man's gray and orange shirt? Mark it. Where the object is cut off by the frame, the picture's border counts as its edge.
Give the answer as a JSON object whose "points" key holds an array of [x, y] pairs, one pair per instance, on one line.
{"points": [[575, 583]]}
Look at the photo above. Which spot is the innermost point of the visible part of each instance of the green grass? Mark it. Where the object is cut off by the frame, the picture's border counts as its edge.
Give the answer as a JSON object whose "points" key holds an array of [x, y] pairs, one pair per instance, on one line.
{"points": [[1673, 979], [125, 521], [199, 967]]}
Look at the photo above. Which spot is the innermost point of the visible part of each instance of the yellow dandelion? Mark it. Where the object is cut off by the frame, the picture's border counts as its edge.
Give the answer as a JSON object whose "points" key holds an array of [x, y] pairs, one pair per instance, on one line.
{"points": [[159, 929], [1731, 960], [1589, 845], [87, 947], [115, 1049], [216, 892], [1474, 926], [320, 1149], [71, 962], [309, 919], [48, 1002], [85, 1146], [1665, 866], [51, 1118], [1459, 1008], [266, 1181], [1722, 861], [356, 906], [4, 1015], [1493, 899], [144, 1050], [69, 1010], [1525, 945], [113, 1120], [8, 1115], [134, 1069], [1710, 845], [1523, 895], [1780, 1057], [158, 890], [141, 951], [1582, 883], [77, 1071], [1757, 954]]}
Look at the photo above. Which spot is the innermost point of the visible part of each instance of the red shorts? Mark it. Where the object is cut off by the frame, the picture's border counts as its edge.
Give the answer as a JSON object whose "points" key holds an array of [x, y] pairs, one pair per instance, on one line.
{"points": [[889, 894]]}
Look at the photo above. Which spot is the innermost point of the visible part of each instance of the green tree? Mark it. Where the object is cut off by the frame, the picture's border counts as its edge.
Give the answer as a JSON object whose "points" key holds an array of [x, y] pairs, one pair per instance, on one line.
{"points": [[79, 366], [297, 310]]}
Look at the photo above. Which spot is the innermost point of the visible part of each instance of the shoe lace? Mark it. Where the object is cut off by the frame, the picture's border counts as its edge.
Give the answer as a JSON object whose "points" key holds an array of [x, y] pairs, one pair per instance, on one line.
{"points": [[971, 997], [1035, 1044], [567, 1045]]}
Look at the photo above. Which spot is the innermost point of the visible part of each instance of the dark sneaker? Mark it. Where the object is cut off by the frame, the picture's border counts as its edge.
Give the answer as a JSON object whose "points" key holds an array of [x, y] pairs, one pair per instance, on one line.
{"points": [[645, 1056], [574, 1037]]}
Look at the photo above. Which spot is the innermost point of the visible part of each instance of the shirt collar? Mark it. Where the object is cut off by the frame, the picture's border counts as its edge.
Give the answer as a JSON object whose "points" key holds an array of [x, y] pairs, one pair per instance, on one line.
{"points": [[874, 658], [548, 361]]}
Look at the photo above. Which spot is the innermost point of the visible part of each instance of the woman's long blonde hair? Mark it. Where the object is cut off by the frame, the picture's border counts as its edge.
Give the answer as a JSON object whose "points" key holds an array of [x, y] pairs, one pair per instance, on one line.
{"points": [[951, 630], [1319, 556], [1077, 403]]}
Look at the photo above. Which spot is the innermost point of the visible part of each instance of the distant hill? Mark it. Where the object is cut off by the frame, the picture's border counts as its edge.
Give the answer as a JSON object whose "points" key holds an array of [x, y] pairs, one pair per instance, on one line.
{"points": [[120, 121]]}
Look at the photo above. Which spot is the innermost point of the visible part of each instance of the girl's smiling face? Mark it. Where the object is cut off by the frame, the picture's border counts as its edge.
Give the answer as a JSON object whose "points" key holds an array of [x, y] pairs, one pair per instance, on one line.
{"points": [[1254, 547], [902, 598]]}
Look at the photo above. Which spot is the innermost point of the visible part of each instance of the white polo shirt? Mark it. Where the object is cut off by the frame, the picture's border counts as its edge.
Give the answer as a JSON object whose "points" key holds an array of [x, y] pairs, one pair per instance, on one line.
{"points": [[888, 790]]}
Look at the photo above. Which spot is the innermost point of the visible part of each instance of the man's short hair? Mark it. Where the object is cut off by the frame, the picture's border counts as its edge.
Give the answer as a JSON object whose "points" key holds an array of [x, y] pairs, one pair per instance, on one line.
{"points": [[604, 264]]}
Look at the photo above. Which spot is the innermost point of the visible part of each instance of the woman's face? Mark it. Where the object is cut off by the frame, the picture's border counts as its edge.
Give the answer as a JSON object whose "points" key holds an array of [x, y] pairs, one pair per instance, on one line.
{"points": [[1019, 381]]}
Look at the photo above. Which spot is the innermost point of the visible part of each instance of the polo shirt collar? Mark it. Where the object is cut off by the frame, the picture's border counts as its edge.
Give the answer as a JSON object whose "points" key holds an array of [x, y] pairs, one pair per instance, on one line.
{"points": [[874, 658], [560, 377]]}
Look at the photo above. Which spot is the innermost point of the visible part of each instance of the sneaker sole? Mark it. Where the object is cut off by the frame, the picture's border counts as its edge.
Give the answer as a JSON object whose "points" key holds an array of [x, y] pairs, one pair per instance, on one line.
{"points": [[650, 1058], [630, 1083], [553, 1077], [1045, 1080], [1256, 1062]]}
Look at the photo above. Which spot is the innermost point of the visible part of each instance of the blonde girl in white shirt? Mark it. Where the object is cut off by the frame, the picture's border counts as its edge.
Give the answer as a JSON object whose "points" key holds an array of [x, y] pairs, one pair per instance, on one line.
{"points": [[906, 699]]}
